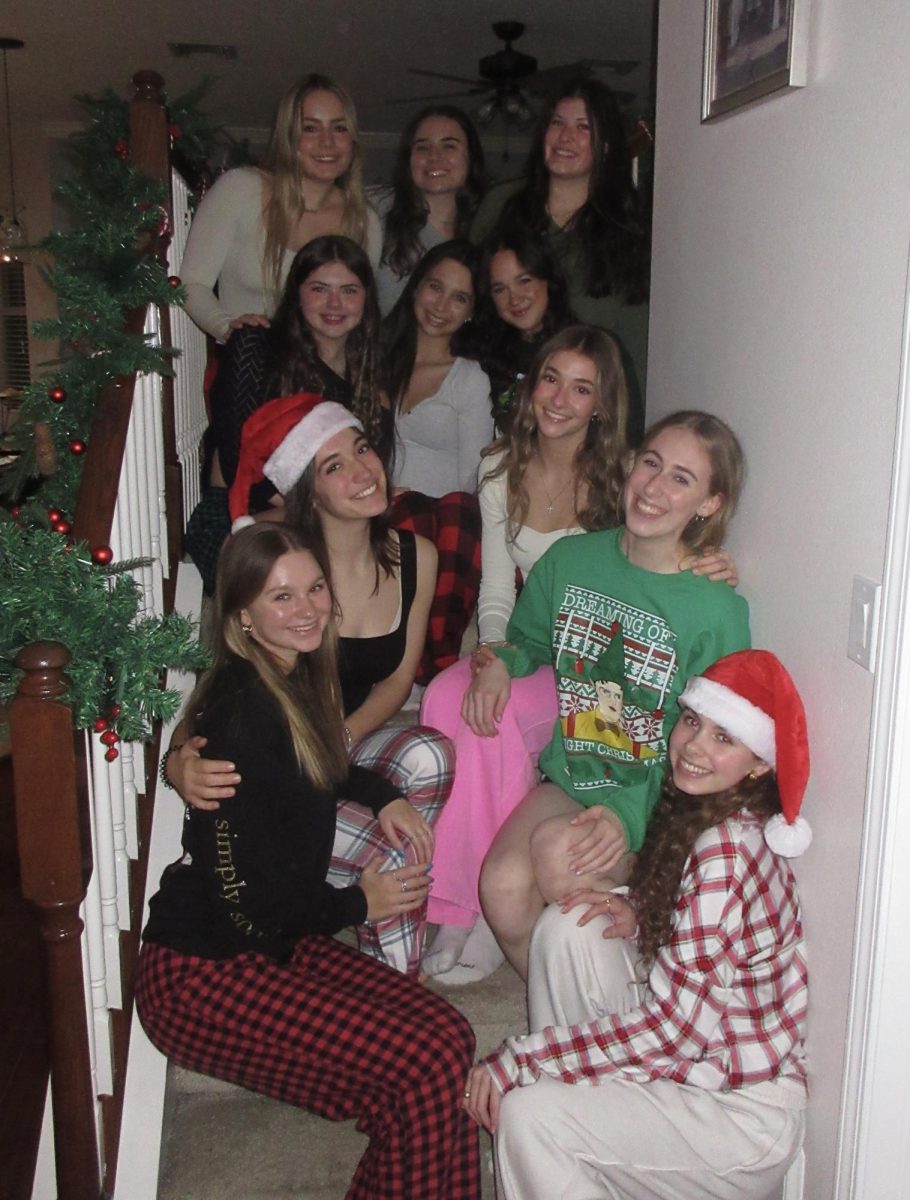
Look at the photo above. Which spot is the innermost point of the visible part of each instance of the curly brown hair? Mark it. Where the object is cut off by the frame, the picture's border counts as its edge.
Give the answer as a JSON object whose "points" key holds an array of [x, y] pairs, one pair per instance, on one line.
{"points": [[675, 825], [600, 459]]}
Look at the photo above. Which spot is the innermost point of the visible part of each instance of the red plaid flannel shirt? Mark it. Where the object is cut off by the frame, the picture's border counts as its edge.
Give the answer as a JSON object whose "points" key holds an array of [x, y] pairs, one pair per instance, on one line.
{"points": [[725, 1002]]}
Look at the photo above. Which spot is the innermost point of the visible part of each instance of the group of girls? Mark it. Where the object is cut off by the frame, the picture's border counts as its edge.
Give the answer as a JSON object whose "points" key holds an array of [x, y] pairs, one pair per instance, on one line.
{"points": [[312, 810]]}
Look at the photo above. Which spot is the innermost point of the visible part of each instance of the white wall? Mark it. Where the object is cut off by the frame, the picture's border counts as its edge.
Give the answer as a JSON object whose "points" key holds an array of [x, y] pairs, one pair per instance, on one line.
{"points": [[780, 251]]}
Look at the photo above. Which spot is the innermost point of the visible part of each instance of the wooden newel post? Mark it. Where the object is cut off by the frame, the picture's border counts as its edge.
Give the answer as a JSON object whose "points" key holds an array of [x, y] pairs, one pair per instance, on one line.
{"points": [[55, 868]]}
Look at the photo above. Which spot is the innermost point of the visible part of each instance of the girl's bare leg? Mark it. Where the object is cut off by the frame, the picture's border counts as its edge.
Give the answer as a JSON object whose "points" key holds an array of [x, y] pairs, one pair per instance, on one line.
{"points": [[509, 893], [551, 843]]}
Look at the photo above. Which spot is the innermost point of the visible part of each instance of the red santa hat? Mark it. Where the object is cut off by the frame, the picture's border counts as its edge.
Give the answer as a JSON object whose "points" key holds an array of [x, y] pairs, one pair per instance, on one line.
{"points": [[751, 695], [278, 443]]}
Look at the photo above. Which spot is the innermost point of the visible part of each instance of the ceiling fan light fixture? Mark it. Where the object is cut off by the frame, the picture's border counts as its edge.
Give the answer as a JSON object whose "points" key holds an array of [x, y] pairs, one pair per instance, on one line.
{"points": [[484, 113]]}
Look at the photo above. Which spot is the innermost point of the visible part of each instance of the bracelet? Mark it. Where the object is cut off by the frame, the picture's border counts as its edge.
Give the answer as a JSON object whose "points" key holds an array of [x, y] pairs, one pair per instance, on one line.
{"points": [[162, 766], [348, 739]]}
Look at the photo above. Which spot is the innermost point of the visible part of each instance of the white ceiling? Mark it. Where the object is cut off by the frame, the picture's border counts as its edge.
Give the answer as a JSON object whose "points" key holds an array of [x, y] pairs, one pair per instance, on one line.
{"points": [[82, 46]]}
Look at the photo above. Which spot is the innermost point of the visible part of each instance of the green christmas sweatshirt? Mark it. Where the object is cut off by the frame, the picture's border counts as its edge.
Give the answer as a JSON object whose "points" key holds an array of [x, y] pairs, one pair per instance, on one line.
{"points": [[622, 641]]}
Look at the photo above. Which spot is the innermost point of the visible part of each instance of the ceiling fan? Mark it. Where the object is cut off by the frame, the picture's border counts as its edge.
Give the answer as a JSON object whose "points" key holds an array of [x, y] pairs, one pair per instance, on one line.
{"points": [[512, 78]]}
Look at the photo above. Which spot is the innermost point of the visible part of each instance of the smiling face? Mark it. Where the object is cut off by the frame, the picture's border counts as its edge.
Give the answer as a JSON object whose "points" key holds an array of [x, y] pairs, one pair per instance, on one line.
{"points": [[670, 483], [566, 396], [567, 148], [349, 481], [520, 297], [439, 156], [444, 299], [292, 610], [332, 300], [326, 146], [705, 759]]}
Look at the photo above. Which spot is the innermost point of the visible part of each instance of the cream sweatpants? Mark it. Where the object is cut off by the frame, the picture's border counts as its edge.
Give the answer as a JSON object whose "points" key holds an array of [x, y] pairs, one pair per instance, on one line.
{"points": [[623, 1140]]}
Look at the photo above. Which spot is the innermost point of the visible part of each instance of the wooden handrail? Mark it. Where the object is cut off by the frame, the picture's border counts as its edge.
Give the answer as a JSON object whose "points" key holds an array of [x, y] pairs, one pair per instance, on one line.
{"points": [[50, 772], [51, 819]]}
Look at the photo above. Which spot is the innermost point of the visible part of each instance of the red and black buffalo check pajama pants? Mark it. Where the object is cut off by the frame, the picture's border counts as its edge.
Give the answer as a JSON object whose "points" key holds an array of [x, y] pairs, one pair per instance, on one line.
{"points": [[339, 1034], [452, 523]]}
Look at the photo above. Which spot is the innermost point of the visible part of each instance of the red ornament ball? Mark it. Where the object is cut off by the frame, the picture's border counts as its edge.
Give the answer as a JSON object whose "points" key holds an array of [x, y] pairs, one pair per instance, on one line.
{"points": [[77, 446], [115, 711], [121, 149], [102, 555], [110, 737], [61, 526], [111, 754], [57, 394], [174, 131], [100, 725], [174, 281], [54, 514], [15, 512]]}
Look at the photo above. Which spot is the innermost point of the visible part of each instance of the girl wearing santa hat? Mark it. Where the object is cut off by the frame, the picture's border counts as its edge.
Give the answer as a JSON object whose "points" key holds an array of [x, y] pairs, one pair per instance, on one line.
{"points": [[686, 1026], [315, 454]]}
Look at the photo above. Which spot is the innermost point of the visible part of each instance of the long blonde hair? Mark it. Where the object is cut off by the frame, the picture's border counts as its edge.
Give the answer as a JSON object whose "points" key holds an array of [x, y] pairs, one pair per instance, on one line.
{"points": [[599, 460], [309, 696], [285, 205]]}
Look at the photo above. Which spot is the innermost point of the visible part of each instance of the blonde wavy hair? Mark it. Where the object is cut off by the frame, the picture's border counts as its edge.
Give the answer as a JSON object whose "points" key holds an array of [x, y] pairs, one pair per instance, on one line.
{"points": [[599, 460], [285, 205]]}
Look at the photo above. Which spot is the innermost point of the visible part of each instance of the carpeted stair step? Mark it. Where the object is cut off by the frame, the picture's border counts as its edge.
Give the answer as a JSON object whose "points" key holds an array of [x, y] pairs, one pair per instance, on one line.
{"points": [[222, 1140]]}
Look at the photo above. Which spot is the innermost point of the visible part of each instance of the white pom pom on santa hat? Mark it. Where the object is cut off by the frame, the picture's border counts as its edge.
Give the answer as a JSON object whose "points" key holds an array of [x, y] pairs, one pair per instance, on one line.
{"points": [[751, 695]]}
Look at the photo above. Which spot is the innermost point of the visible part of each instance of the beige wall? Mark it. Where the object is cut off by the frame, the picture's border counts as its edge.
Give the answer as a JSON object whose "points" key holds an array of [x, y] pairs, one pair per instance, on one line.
{"points": [[780, 252]]}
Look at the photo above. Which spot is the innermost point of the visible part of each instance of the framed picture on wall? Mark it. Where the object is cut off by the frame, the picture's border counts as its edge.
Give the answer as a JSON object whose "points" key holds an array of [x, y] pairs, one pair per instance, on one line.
{"points": [[752, 49]]}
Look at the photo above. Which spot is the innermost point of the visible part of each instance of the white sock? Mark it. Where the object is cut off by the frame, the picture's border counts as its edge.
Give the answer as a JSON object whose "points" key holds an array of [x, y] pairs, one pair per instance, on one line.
{"points": [[479, 958], [446, 949]]}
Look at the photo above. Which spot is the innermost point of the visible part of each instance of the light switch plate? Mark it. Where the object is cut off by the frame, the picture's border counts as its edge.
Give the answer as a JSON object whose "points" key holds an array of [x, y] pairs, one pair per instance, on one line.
{"points": [[863, 629]]}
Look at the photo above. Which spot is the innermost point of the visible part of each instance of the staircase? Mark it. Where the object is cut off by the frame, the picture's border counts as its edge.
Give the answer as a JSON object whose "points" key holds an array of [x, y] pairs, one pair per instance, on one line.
{"points": [[220, 1140]]}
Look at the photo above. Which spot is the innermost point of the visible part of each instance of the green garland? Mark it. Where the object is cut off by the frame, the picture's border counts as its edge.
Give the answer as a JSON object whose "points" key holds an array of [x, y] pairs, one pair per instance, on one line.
{"points": [[53, 591], [99, 275]]}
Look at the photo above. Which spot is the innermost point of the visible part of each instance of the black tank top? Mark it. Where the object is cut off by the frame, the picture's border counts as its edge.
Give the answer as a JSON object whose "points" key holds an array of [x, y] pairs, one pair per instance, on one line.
{"points": [[364, 662]]}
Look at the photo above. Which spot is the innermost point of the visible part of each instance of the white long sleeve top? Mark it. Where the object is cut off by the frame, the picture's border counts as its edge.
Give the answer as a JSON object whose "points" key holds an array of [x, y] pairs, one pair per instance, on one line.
{"points": [[501, 553], [438, 443], [226, 247]]}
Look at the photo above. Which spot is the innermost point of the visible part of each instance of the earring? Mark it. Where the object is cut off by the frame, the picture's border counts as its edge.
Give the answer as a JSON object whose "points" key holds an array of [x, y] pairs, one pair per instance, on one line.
{"points": [[247, 629], [752, 775]]}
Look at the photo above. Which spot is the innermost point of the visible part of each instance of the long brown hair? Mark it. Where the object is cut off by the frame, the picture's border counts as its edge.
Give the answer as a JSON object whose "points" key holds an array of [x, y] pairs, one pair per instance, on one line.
{"points": [[408, 213], [285, 205], [295, 355], [303, 513], [600, 459], [609, 233], [309, 696], [675, 825]]}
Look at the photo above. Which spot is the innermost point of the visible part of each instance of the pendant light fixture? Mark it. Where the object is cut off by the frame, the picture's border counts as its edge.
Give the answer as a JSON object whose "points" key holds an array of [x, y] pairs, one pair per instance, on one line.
{"points": [[12, 233]]}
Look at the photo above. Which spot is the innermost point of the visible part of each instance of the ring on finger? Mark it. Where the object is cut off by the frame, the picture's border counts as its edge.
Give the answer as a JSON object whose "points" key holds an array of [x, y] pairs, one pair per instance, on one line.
{"points": [[404, 885]]}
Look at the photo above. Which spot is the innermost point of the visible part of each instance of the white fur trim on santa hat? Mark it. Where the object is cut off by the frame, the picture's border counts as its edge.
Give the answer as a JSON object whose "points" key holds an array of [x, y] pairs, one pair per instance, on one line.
{"points": [[786, 839], [241, 523], [734, 713], [290, 458]]}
